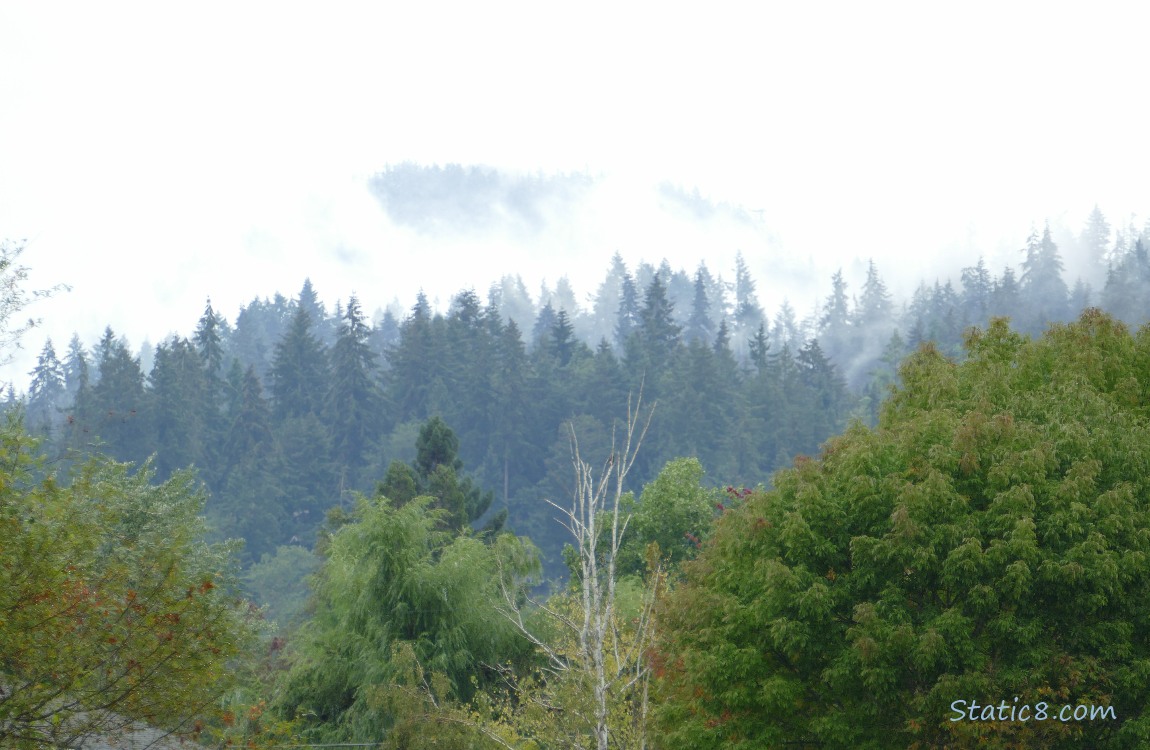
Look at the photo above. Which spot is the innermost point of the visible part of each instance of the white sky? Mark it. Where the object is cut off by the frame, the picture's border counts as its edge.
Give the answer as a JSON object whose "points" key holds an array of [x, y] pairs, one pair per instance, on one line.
{"points": [[153, 155]]}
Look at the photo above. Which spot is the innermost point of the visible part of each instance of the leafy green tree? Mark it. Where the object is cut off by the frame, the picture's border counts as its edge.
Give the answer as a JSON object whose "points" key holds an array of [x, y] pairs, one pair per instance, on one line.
{"points": [[986, 541], [112, 609], [394, 577], [675, 512]]}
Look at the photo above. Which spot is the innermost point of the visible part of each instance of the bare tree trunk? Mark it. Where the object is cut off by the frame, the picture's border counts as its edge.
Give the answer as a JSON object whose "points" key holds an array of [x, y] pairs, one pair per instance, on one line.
{"points": [[598, 635]]}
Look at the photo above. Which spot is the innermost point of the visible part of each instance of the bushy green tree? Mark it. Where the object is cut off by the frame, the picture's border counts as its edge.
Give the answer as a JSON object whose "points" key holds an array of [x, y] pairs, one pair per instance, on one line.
{"points": [[988, 540], [112, 608], [393, 576]]}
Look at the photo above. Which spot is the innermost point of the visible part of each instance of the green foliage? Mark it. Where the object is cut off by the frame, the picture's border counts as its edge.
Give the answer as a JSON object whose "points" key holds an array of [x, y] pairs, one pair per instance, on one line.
{"points": [[988, 540], [279, 582], [393, 575], [112, 609]]}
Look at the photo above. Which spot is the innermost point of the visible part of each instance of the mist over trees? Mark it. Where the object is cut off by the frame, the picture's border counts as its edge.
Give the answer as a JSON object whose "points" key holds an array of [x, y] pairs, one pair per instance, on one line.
{"points": [[290, 407], [399, 482]]}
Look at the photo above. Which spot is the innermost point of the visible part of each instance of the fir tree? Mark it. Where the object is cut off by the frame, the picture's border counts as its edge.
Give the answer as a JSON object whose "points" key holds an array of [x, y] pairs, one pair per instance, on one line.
{"points": [[700, 327], [47, 391], [299, 372], [627, 316], [353, 397]]}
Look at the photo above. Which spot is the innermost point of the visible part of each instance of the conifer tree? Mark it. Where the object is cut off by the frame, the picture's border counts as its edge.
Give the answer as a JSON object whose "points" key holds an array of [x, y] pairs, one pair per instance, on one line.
{"points": [[1095, 243], [748, 313], [299, 372], [209, 342], [75, 367], [176, 406], [1044, 293], [834, 323], [353, 397], [627, 315], [700, 327], [47, 391], [605, 308], [658, 331], [977, 290], [408, 384], [118, 401]]}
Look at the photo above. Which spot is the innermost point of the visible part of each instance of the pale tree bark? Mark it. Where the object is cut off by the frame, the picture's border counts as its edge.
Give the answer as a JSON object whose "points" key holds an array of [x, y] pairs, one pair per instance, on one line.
{"points": [[612, 666]]}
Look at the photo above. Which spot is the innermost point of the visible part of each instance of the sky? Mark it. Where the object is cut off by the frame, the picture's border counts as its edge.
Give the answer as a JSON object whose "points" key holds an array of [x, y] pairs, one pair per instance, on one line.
{"points": [[153, 155]]}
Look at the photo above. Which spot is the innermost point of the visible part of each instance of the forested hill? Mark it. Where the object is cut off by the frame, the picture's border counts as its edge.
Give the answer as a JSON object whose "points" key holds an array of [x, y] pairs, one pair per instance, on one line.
{"points": [[293, 405]]}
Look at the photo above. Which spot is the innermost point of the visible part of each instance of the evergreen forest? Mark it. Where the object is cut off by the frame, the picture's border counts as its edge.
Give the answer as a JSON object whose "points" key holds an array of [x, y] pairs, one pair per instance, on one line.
{"points": [[393, 473]]}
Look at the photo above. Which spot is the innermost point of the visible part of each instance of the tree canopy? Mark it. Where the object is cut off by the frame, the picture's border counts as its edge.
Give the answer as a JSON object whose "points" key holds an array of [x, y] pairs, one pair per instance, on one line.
{"points": [[112, 608], [988, 541]]}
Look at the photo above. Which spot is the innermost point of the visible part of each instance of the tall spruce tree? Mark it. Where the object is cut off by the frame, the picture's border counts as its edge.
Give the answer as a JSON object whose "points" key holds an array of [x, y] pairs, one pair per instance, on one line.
{"points": [[353, 397], [46, 392], [299, 372], [700, 327], [627, 315], [834, 328], [1044, 293], [118, 401], [176, 406]]}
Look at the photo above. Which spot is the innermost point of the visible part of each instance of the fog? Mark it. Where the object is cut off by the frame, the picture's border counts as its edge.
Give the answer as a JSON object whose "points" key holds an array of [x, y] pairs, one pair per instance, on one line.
{"points": [[153, 158]]}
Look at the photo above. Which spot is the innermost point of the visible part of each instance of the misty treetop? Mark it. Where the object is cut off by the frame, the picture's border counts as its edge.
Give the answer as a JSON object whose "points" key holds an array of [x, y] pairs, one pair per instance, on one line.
{"points": [[290, 406]]}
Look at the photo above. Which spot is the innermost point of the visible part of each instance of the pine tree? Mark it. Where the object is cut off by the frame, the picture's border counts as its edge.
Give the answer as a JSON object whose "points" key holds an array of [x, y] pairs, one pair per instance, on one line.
{"points": [[76, 368], [1127, 291], [511, 447], [176, 406], [543, 325], [658, 331], [47, 391], [563, 340], [209, 343], [1044, 293], [627, 316], [748, 313], [413, 363], [875, 309], [977, 290], [834, 324], [299, 372], [605, 307], [759, 348], [439, 470], [1005, 300], [1095, 243], [353, 397], [786, 326], [699, 325], [118, 401]]}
